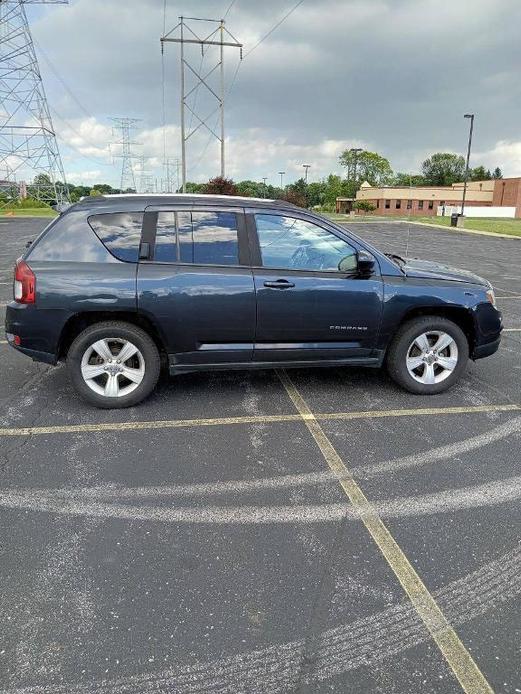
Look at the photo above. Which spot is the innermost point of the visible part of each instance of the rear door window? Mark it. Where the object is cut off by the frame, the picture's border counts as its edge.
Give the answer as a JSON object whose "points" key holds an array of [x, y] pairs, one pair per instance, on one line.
{"points": [[120, 233], [202, 238]]}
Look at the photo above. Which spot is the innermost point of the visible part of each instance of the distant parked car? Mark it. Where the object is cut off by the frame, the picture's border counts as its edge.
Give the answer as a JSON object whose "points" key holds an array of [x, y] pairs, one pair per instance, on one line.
{"points": [[118, 283]]}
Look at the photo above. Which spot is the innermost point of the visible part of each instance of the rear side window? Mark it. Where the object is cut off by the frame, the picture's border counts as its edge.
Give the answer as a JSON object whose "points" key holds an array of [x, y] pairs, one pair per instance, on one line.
{"points": [[69, 239], [202, 238], [120, 233]]}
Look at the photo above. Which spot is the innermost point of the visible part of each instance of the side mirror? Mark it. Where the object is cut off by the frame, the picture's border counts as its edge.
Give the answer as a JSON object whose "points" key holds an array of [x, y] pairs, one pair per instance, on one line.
{"points": [[348, 265], [366, 262]]}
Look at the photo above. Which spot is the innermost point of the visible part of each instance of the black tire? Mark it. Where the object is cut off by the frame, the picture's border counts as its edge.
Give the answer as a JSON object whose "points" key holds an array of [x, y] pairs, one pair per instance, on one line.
{"points": [[398, 350], [114, 330]]}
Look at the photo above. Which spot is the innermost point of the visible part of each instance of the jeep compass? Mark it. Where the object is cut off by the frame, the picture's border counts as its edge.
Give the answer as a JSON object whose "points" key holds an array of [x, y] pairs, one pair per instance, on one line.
{"points": [[118, 285]]}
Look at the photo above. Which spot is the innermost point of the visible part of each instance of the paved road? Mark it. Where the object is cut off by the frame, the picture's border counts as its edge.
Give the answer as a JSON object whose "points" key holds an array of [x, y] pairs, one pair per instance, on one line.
{"points": [[201, 543]]}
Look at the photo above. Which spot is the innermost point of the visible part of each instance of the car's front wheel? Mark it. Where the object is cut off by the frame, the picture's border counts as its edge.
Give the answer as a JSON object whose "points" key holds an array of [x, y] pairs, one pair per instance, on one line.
{"points": [[113, 364], [428, 355]]}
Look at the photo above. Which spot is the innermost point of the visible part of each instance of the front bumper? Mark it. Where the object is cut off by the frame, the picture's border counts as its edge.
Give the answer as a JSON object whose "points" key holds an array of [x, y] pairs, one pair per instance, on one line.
{"points": [[481, 351]]}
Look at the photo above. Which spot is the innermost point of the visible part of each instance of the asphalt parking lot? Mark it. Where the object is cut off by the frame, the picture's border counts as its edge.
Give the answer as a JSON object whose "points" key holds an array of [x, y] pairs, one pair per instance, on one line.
{"points": [[306, 531]]}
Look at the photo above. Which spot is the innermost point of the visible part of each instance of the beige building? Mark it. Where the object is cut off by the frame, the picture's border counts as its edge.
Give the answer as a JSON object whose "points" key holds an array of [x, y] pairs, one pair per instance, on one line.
{"points": [[425, 200]]}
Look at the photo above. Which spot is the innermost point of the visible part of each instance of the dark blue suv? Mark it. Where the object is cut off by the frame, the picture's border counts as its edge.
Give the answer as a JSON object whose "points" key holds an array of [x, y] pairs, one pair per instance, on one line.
{"points": [[118, 285]]}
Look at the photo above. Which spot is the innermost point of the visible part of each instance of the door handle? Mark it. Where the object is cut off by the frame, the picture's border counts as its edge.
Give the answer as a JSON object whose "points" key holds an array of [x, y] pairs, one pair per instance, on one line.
{"points": [[279, 284]]}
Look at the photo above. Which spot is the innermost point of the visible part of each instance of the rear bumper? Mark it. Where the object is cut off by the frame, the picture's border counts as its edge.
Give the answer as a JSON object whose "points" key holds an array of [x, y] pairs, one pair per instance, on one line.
{"points": [[36, 355], [37, 331]]}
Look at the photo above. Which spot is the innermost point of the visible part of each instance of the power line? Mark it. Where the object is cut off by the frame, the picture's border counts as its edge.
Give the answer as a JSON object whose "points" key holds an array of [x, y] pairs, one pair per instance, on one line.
{"points": [[274, 28], [229, 8], [62, 81]]}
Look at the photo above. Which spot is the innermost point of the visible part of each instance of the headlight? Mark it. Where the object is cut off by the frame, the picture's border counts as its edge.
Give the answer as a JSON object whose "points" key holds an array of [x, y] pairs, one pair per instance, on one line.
{"points": [[491, 297]]}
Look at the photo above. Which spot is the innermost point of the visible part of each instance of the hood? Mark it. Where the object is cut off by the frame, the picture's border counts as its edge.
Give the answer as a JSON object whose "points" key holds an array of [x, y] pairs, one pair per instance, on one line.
{"points": [[438, 271]]}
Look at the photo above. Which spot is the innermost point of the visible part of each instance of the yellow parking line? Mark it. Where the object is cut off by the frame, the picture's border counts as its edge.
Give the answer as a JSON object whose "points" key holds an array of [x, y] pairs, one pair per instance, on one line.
{"points": [[254, 419], [457, 656]]}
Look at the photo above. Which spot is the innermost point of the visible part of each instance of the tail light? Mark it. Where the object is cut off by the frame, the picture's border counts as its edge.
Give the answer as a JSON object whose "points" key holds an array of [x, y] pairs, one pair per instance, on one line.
{"points": [[24, 283]]}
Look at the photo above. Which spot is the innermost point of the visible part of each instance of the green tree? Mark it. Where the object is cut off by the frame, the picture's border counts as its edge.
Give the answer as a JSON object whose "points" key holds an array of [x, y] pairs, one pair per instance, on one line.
{"points": [[105, 188], [335, 187], [364, 206], [479, 173], [316, 193], [497, 173], [192, 187], [251, 189], [369, 166], [443, 169], [406, 179]]}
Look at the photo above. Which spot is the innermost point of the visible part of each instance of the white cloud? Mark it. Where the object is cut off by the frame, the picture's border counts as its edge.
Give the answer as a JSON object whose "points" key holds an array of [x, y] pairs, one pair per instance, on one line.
{"points": [[85, 177], [396, 75], [505, 154]]}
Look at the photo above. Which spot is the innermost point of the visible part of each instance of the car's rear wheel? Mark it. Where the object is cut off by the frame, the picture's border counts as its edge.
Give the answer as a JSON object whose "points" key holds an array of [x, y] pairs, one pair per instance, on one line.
{"points": [[428, 355], [113, 364]]}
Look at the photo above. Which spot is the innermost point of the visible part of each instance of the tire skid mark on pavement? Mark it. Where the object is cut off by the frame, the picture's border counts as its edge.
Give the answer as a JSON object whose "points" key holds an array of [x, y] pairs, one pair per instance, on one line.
{"points": [[275, 668], [513, 426], [477, 496]]}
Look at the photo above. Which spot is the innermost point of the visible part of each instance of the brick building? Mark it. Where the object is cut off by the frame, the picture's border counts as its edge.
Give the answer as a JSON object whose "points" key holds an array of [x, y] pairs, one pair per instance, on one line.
{"points": [[424, 201]]}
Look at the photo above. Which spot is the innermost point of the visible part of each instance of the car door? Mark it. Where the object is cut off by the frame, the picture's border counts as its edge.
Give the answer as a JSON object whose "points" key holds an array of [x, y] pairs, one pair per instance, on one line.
{"points": [[194, 282], [312, 303]]}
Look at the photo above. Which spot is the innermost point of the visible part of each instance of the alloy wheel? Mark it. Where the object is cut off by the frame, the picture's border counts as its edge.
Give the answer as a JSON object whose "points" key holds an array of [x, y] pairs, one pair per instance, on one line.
{"points": [[432, 357], [112, 367]]}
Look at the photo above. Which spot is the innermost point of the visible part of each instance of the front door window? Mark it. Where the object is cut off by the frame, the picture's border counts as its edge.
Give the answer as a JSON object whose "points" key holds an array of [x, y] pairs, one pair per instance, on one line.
{"points": [[287, 243]]}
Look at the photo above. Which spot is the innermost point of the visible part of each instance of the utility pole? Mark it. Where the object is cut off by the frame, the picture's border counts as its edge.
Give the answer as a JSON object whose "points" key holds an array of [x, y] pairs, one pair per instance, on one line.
{"points": [[306, 167], [28, 145], [184, 33], [471, 116], [124, 127], [281, 174], [264, 179]]}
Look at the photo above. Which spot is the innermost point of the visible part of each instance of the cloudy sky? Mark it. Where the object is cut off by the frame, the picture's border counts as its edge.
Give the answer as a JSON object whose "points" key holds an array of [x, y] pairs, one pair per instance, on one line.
{"points": [[393, 76]]}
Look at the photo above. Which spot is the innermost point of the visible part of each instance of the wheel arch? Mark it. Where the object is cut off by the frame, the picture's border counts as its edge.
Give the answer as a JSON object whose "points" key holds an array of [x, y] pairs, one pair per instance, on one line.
{"points": [[77, 323], [459, 315]]}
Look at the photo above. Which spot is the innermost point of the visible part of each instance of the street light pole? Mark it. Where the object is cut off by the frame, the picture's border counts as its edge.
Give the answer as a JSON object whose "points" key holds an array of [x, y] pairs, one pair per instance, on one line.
{"points": [[264, 179], [306, 167], [471, 116], [281, 174]]}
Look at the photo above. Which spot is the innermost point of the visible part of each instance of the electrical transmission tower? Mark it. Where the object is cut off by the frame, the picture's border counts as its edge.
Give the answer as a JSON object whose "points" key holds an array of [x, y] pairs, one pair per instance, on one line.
{"points": [[167, 183], [124, 127], [146, 180], [192, 79], [28, 146]]}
